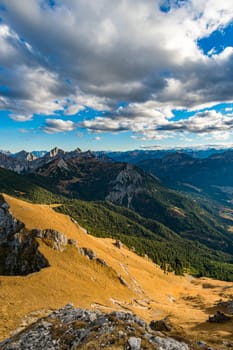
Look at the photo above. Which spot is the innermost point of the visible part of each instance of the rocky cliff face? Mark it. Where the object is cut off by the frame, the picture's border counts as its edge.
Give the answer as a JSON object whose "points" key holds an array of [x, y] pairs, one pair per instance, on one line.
{"points": [[8, 224], [19, 254], [71, 328], [127, 183]]}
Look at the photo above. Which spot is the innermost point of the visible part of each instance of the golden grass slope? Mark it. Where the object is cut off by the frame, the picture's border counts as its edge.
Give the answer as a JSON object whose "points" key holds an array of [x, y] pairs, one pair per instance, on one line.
{"points": [[72, 278]]}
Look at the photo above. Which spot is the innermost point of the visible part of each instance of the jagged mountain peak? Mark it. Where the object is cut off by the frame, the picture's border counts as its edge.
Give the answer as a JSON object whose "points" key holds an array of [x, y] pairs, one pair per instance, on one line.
{"points": [[25, 156], [55, 152]]}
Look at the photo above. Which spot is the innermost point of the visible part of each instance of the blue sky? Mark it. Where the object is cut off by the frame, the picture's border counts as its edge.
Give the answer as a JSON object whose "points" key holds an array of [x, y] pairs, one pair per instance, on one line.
{"points": [[115, 75]]}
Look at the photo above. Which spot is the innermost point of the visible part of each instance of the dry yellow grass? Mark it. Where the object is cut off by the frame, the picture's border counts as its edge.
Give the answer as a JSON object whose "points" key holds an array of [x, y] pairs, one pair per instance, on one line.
{"points": [[73, 278]]}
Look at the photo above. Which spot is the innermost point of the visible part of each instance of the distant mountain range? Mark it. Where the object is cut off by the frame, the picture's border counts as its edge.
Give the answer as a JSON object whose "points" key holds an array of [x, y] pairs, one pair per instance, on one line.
{"points": [[26, 162], [136, 156], [210, 176]]}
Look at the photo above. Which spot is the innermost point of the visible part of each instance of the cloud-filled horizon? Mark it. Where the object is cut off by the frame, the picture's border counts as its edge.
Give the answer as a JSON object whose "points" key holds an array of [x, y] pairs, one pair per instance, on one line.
{"points": [[154, 70]]}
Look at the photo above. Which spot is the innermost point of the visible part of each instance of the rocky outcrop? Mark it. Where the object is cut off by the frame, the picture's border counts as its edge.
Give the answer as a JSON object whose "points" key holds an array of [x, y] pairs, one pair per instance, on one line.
{"points": [[90, 254], [19, 254], [52, 238], [163, 325], [71, 328], [8, 224], [219, 317], [19, 248], [227, 306], [118, 244]]}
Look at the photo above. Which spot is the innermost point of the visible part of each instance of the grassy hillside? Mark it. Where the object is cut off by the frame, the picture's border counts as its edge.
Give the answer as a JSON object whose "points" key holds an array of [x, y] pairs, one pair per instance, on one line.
{"points": [[72, 278]]}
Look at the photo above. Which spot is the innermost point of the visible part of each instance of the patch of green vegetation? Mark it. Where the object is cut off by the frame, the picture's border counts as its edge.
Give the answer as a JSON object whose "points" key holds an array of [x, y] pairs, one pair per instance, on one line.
{"points": [[22, 186]]}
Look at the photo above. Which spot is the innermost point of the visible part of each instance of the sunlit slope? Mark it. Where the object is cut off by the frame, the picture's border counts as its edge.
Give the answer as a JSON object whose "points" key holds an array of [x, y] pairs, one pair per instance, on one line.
{"points": [[73, 278]]}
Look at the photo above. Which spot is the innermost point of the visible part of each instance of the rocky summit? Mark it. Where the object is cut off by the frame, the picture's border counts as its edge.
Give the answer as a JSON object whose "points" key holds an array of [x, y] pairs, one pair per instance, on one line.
{"points": [[71, 328]]}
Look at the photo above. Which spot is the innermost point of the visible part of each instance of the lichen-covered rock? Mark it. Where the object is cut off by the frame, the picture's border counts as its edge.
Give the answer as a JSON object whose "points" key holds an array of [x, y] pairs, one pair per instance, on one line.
{"points": [[71, 328]]}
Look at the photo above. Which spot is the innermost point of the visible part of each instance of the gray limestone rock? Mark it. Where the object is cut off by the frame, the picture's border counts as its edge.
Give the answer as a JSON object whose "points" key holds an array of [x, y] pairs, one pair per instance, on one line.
{"points": [[134, 343], [88, 253], [170, 344], [70, 328]]}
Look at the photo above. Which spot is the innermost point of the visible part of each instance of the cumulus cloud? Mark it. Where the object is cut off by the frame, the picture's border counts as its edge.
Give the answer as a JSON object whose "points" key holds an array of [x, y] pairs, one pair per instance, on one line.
{"points": [[202, 123], [159, 127], [96, 54], [53, 126], [21, 118]]}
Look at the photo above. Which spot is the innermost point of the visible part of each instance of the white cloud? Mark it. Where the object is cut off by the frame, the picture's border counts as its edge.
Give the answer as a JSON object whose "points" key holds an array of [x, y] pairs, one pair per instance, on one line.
{"points": [[157, 127], [21, 118], [53, 126], [97, 54], [97, 138]]}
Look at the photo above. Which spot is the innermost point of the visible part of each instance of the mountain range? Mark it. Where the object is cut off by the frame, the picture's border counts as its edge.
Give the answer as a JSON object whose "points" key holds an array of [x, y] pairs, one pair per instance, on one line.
{"points": [[136, 156], [122, 200], [211, 176]]}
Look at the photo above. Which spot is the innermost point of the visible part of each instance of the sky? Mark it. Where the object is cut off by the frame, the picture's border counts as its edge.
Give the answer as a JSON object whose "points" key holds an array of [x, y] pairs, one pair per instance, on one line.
{"points": [[115, 75]]}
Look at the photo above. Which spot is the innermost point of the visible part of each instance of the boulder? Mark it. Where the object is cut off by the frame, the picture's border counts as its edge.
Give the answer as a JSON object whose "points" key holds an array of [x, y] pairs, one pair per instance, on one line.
{"points": [[134, 343], [163, 325], [118, 244], [88, 253], [219, 317]]}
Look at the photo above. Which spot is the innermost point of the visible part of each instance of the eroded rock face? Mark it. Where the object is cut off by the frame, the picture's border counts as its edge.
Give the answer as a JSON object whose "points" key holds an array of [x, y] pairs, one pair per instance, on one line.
{"points": [[127, 183], [71, 328], [8, 224], [19, 254]]}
